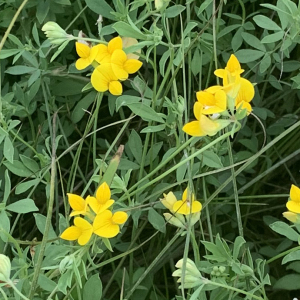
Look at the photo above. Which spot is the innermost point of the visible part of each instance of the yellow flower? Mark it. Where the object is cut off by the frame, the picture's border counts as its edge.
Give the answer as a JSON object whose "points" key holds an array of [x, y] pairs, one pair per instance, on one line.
{"points": [[102, 200], [81, 230], [213, 99], [122, 66], [87, 55], [204, 125], [106, 224], [168, 201], [293, 205], [187, 206], [103, 78], [232, 71], [78, 204], [245, 95], [104, 52]]}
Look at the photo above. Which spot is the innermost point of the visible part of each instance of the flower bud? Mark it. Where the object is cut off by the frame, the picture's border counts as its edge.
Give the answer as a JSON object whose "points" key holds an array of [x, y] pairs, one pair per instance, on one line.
{"points": [[190, 267], [55, 33], [161, 4], [168, 201], [66, 263], [293, 217], [5, 267], [222, 269], [173, 220]]}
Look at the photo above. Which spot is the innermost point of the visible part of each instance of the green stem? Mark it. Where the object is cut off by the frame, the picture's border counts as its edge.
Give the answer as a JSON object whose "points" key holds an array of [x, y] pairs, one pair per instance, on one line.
{"points": [[49, 213], [282, 254], [16, 290]]}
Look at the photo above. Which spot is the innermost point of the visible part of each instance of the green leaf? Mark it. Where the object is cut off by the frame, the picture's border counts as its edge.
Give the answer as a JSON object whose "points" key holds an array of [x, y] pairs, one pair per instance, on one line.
{"points": [[4, 225], [30, 163], [265, 22], [46, 283], [238, 243], [18, 70], [124, 100], [101, 7], [173, 11], [274, 37], [211, 159], [156, 128], [7, 187], [40, 221], [265, 63], [93, 288], [253, 41], [24, 186], [135, 146], [248, 55], [284, 229], [23, 206], [4, 53], [17, 168], [288, 282], [80, 109], [145, 112], [189, 27], [157, 220], [8, 149], [124, 29], [295, 255]]}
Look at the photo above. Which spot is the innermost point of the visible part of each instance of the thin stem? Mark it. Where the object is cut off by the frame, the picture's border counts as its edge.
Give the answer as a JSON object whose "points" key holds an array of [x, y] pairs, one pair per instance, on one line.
{"points": [[282, 254], [16, 290]]}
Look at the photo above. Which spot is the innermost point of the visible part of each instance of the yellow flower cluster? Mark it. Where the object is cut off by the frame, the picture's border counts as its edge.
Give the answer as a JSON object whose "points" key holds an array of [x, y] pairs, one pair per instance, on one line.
{"points": [[214, 102], [111, 64], [293, 205], [104, 223], [178, 208]]}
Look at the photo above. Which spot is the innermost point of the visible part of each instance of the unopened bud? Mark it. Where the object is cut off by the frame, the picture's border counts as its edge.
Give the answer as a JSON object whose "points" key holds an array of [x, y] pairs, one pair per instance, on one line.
{"points": [[5, 267], [173, 220], [55, 34]]}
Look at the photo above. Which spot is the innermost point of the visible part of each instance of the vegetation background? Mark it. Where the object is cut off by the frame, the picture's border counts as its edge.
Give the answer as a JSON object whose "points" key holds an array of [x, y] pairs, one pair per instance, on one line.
{"points": [[46, 101]]}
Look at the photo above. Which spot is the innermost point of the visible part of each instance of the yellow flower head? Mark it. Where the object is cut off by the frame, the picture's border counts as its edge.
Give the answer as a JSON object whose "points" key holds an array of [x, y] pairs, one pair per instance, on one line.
{"points": [[102, 200], [82, 231], [87, 55], [186, 205], [107, 224], [122, 66], [232, 71], [168, 201], [293, 205], [213, 99], [78, 204], [204, 125], [103, 78], [245, 95], [105, 52]]}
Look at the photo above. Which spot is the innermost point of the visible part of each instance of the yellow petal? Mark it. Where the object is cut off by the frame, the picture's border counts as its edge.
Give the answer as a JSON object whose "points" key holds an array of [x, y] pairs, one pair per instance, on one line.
{"points": [[85, 236], [213, 89], [114, 44], [245, 105], [233, 65], [180, 207], [293, 206], [205, 98], [82, 50], [246, 91], [103, 193], [103, 225], [220, 73], [119, 217], [291, 216], [71, 234], [198, 108], [193, 129], [169, 200], [103, 56], [99, 79], [98, 207], [208, 126], [185, 194], [82, 63], [115, 88], [185, 208], [132, 65], [82, 223], [295, 193], [76, 202]]}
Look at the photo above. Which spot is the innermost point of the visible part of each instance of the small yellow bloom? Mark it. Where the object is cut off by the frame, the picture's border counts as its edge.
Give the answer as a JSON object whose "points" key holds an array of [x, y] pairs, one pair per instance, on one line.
{"points": [[105, 52], [204, 125], [103, 200], [186, 205], [81, 230], [168, 201], [122, 66], [293, 205], [107, 224], [87, 55], [78, 204], [103, 78], [213, 99], [245, 95]]}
